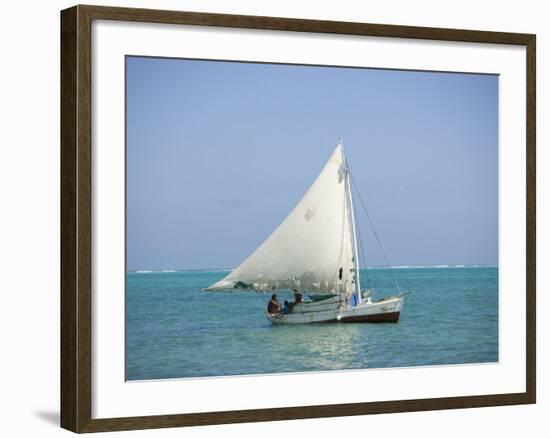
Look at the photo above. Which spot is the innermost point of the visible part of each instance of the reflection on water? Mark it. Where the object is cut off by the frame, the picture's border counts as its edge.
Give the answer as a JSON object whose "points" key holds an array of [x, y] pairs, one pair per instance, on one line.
{"points": [[319, 346], [174, 329]]}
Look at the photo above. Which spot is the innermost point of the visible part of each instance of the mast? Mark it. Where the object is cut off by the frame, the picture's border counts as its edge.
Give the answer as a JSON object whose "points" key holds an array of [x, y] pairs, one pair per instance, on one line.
{"points": [[352, 226]]}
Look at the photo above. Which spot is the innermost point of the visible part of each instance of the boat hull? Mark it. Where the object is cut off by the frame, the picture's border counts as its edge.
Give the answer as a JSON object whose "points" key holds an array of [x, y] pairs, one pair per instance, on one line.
{"points": [[379, 317], [386, 310]]}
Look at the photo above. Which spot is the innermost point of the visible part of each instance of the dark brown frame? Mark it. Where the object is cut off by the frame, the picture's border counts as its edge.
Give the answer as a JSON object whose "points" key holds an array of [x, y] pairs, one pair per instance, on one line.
{"points": [[76, 219]]}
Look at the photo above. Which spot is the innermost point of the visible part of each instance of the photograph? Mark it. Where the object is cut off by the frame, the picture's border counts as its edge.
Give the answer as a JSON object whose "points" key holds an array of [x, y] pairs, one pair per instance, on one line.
{"points": [[289, 218]]}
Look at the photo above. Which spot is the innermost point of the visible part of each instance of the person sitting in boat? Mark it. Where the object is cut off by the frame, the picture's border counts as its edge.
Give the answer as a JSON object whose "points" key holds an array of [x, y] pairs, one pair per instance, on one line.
{"points": [[273, 307], [297, 300]]}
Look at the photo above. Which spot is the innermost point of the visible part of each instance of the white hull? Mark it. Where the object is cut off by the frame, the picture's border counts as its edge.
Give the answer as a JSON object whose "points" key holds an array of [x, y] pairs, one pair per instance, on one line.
{"points": [[386, 310]]}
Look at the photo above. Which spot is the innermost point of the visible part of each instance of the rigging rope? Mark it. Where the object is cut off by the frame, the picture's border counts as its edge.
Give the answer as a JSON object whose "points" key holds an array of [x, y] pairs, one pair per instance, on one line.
{"points": [[375, 233], [362, 251]]}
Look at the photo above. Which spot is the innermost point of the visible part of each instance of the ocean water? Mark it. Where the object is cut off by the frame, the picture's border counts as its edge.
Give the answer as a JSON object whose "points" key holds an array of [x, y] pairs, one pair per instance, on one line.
{"points": [[175, 330]]}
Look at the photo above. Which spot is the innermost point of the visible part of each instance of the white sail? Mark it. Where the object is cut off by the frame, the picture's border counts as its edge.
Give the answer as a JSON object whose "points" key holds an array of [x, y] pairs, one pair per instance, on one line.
{"points": [[310, 246]]}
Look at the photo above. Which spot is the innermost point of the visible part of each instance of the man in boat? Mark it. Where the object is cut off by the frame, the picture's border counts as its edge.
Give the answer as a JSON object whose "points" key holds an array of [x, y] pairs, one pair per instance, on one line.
{"points": [[273, 307], [297, 300]]}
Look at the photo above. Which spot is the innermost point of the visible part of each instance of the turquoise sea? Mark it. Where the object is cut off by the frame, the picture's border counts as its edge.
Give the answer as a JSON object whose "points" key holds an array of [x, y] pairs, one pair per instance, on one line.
{"points": [[174, 329]]}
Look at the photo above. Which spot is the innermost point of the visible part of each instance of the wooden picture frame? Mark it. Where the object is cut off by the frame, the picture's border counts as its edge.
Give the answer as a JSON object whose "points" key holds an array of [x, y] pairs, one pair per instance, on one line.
{"points": [[76, 217]]}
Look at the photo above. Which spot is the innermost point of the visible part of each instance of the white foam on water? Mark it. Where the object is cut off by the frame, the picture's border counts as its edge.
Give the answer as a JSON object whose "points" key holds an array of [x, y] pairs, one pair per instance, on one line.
{"points": [[431, 267]]}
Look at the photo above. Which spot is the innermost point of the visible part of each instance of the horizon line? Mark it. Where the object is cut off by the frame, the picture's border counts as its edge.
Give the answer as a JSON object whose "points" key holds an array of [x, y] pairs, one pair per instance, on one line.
{"points": [[368, 267]]}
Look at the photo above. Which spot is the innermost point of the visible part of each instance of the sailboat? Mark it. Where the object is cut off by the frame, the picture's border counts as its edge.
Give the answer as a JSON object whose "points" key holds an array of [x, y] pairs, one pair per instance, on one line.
{"points": [[314, 251]]}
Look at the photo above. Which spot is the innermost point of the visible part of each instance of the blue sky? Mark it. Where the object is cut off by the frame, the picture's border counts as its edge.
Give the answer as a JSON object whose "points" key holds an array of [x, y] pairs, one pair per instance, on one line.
{"points": [[218, 153]]}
